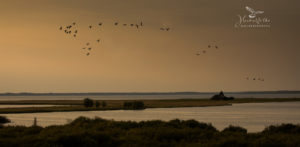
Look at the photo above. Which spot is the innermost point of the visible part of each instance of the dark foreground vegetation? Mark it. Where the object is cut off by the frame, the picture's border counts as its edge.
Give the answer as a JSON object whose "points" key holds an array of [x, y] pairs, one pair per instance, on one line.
{"points": [[100, 132]]}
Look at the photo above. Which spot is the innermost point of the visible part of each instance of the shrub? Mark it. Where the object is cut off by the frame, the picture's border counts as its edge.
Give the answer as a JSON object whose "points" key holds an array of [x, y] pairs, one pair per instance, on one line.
{"points": [[235, 129], [97, 104], [136, 105], [104, 104], [4, 120], [88, 102]]}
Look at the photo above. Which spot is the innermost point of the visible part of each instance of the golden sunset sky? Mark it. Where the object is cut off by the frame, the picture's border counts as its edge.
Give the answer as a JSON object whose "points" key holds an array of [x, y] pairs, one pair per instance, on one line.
{"points": [[37, 57]]}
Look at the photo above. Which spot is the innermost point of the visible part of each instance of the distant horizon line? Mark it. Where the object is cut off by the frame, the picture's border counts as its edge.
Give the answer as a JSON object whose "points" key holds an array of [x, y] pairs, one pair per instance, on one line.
{"points": [[147, 93]]}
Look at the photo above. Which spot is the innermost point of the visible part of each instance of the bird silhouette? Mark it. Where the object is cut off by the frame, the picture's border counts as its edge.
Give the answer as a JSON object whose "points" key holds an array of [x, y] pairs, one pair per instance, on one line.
{"points": [[141, 24], [88, 44], [124, 24], [76, 31], [89, 48], [216, 47], [60, 28], [253, 79], [83, 48], [74, 35], [90, 27], [87, 54], [167, 29], [98, 40], [116, 23], [198, 54], [74, 23], [204, 51], [137, 26], [208, 46], [132, 25], [100, 24]]}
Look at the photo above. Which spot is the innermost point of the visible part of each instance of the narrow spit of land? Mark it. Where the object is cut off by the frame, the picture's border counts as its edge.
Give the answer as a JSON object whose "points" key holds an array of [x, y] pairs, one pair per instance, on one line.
{"points": [[77, 105]]}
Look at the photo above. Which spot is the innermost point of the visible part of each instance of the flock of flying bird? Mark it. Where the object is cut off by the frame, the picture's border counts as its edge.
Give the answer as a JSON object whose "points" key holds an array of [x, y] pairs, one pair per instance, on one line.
{"points": [[73, 30], [199, 52]]}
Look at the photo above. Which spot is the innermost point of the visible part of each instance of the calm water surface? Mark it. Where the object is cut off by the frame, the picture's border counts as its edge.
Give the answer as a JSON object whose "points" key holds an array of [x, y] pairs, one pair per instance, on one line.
{"points": [[252, 116], [144, 97]]}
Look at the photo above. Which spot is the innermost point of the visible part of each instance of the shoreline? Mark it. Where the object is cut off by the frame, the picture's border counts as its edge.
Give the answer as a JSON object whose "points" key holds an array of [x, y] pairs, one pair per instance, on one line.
{"points": [[77, 105]]}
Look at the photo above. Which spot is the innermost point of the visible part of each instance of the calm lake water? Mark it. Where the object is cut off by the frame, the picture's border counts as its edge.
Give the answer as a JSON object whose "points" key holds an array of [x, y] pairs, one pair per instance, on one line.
{"points": [[252, 116], [145, 96]]}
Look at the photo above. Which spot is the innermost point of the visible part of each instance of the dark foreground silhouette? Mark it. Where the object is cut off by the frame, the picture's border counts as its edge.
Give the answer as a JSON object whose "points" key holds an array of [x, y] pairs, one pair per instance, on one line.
{"points": [[100, 132]]}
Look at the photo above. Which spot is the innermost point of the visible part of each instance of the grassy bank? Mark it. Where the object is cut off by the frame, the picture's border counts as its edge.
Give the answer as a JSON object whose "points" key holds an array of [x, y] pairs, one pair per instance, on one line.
{"points": [[77, 105], [99, 132]]}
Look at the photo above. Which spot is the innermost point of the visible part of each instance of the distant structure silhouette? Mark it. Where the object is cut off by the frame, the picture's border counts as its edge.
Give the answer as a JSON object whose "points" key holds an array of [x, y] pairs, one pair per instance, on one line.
{"points": [[221, 96]]}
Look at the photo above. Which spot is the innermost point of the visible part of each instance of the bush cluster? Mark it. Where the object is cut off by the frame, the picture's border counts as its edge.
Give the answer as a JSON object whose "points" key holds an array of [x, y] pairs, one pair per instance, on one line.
{"points": [[87, 102], [135, 105], [99, 132]]}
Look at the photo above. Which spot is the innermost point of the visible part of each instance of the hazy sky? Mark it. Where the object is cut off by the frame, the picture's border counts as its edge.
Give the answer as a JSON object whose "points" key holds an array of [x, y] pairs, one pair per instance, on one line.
{"points": [[37, 57]]}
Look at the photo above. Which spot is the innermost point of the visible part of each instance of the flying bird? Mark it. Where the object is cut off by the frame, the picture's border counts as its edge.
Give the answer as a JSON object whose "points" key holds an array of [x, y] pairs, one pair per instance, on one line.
{"points": [[116, 23], [90, 27], [132, 25], [137, 26], [100, 24], [60, 28], [141, 24], [124, 24], [208, 46], [75, 31], [98, 40], [88, 44], [89, 48], [74, 23], [198, 54], [87, 54], [253, 12], [167, 29], [216, 47]]}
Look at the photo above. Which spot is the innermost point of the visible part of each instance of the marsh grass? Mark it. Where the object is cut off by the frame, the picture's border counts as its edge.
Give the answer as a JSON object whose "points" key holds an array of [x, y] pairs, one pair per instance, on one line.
{"points": [[77, 105]]}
